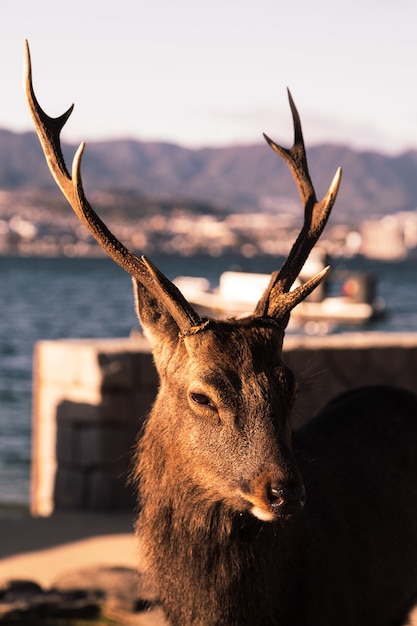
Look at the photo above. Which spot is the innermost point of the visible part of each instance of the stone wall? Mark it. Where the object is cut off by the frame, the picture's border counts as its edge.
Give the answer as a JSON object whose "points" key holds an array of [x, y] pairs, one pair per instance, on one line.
{"points": [[326, 366], [91, 396]]}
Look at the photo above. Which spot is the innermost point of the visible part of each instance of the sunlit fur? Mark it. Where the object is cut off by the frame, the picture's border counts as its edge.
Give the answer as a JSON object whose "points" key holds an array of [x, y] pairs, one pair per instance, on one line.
{"points": [[214, 550]]}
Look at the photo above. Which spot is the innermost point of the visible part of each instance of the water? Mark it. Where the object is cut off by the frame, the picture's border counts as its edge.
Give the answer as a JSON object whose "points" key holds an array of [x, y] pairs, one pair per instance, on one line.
{"points": [[59, 298]]}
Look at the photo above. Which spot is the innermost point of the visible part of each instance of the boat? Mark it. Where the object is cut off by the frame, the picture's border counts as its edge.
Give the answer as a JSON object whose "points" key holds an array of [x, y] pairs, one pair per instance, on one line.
{"points": [[349, 299]]}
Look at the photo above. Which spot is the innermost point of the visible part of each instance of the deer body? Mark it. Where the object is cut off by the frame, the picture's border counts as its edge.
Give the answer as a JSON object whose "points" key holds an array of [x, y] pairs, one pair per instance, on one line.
{"points": [[242, 523]]}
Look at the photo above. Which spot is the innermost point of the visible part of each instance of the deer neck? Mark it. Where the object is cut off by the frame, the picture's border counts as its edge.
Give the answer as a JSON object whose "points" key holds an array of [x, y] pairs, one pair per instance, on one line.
{"points": [[205, 559]]}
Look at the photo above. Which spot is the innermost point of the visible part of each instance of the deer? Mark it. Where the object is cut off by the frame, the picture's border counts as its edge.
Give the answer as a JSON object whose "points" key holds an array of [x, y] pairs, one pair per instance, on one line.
{"points": [[243, 521]]}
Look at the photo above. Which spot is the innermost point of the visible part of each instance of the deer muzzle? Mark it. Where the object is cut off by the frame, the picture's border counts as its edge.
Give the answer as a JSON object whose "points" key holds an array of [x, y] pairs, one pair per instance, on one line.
{"points": [[271, 499], [287, 501]]}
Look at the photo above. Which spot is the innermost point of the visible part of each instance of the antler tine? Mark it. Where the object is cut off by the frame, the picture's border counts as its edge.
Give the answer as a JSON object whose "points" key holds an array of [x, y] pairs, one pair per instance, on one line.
{"points": [[48, 130], [296, 157], [316, 215]]}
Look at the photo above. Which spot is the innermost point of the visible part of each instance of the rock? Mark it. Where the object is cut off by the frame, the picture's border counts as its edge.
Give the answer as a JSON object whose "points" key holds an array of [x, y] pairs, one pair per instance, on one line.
{"points": [[24, 602], [118, 585], [117, 593], [16, 589]]}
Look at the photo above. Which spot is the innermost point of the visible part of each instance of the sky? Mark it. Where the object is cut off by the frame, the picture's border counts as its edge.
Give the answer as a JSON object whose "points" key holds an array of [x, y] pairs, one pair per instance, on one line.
{"points": [[215, 72]]}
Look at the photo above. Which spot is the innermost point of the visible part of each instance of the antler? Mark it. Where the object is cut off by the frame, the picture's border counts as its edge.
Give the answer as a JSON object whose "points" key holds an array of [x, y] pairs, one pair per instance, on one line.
{"points": [[141, 269], [278, 300]]}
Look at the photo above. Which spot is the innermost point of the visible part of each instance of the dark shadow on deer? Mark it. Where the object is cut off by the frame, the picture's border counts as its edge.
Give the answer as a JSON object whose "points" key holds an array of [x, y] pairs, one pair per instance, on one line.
{"points": [[240, 522]]}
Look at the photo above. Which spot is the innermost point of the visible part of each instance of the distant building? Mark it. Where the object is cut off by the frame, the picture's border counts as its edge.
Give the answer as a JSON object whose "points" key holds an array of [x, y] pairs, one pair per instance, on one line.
{"points": [[388, 238]]}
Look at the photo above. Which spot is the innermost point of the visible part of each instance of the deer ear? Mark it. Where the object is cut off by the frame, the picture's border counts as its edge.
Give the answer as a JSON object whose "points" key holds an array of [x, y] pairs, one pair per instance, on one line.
{"points": [[158, 324]]}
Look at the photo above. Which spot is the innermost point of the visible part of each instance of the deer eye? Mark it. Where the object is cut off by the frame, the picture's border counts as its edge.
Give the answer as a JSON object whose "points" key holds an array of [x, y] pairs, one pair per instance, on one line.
{"points": [[201, 399]]}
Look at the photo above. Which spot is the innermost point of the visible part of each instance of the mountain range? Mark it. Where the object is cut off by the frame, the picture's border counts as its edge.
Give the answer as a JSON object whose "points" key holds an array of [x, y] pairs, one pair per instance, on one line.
{"points": [[237, 178]]}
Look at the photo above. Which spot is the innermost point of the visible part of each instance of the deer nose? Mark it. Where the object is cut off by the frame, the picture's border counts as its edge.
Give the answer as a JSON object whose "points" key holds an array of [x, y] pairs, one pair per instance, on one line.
{"points": [[287, 501]]}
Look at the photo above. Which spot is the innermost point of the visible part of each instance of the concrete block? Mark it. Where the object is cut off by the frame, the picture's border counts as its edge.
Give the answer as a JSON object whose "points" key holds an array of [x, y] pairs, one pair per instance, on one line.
{"points": [[116, 369], [142, 404], [70, 488], [144, 371], [110, 407], [65, 443], [91, 363], [68, 362], [96, 446], [108, 490]]}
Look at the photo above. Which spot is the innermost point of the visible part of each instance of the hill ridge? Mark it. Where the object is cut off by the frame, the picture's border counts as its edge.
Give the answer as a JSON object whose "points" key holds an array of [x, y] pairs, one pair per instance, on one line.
{"points": [[243, 177]]}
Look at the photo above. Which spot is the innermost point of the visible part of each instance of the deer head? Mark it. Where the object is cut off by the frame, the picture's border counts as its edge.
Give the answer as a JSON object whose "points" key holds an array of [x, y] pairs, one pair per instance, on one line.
{"points": [[225, 396]]}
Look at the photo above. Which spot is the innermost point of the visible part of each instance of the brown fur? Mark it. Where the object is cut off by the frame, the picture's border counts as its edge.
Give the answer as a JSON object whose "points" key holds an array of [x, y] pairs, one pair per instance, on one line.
{"points": [[349, 558]]}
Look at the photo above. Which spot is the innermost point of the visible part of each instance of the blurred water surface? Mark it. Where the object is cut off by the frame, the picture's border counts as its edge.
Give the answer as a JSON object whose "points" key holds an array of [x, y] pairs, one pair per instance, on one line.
{"points": [[59, 298]]}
